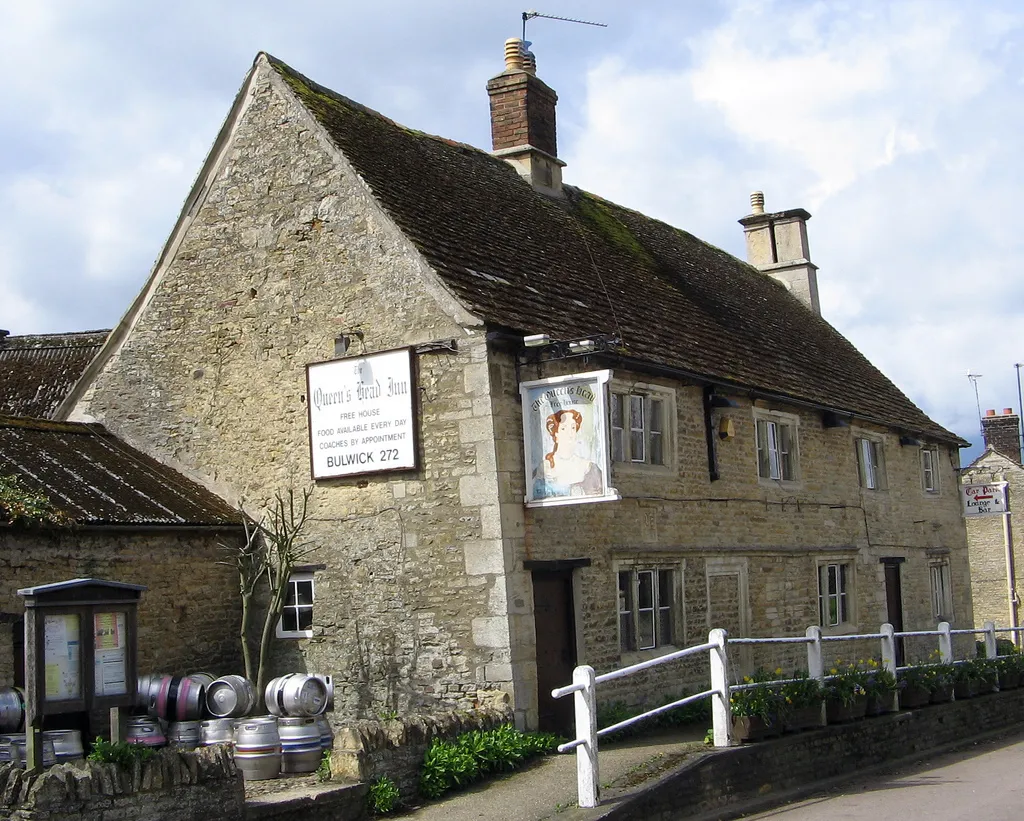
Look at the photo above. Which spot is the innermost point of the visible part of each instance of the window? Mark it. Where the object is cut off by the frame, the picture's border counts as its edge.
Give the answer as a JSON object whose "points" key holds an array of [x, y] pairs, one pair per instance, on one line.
{"points": [[645, 608], [297, 611], [942, 594], [638, 428], [871, 463], [776, 448], [930, 470], [834, 584]]}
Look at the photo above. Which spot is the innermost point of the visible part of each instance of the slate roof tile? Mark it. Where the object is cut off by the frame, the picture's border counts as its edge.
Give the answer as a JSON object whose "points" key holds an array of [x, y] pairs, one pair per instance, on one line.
{"points": [[38, 371], [100, 481]]}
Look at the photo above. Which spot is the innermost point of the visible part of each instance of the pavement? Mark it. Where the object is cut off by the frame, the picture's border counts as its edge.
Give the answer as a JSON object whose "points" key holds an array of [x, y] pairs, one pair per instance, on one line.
{"points": [[546, 789]]}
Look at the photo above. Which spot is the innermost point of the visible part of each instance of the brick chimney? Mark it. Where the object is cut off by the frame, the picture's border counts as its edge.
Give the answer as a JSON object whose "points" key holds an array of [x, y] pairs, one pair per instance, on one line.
{"points": [[1002, 433], [523, 120], [777, 245]]}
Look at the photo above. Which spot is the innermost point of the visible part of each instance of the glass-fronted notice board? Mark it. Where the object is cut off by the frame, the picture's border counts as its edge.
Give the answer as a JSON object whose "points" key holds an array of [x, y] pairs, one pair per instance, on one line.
{"points": [[110, 654], [62, 656]]}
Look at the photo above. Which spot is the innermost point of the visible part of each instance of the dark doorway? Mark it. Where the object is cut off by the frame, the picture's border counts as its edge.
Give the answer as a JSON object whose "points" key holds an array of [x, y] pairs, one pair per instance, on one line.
{"points": [[556, 647], [894, 601]]}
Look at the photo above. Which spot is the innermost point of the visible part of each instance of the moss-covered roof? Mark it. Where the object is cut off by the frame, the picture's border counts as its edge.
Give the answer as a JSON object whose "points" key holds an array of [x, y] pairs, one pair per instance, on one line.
{"points": [[38, 371], [581, 265]]}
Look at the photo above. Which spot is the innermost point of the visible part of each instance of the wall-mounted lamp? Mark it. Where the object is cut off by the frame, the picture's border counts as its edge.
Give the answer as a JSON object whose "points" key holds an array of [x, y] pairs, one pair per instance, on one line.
{"points": [[582, 346], [909, 441], [718, 401], [536, 340], [344, 342], [726, 429]]}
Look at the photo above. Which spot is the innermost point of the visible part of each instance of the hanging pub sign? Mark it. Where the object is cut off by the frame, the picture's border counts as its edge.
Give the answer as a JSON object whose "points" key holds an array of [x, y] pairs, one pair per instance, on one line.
{"points": [[361, 417], [984, 500], [565, 439]]}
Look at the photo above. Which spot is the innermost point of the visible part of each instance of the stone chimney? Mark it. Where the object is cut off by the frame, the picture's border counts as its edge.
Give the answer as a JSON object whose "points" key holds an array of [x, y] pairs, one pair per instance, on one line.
{"points": [[777, 245], [523, 120], [1002, 433]]}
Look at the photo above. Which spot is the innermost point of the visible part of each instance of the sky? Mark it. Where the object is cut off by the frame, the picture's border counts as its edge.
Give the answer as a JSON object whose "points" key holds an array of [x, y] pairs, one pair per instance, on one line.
{"points": [[896, 124]]}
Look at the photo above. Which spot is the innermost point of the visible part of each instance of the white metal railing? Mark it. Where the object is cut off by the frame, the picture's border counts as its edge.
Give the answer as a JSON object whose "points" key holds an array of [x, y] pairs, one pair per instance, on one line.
{"points": [[585, 681]]}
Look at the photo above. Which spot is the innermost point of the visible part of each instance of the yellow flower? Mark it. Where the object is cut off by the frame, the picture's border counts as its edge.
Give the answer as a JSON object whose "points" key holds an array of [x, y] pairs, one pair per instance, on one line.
{"points": [[834, 671], [778, 671]]}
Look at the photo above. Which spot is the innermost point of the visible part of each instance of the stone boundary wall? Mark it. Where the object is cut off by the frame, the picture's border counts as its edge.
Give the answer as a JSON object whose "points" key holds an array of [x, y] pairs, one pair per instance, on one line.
{"points": [[752, 777], [371, 749], [171, 786]]}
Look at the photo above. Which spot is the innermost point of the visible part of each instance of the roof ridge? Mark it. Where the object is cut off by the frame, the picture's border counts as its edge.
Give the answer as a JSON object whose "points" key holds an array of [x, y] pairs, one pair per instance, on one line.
{"points": [[33, 423]]}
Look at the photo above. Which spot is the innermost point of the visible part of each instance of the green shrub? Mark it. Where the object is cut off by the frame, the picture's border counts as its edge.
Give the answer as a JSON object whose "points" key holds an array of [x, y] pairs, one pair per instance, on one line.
{"points": [[383, 796], [450, 765], [323, 769], [119, 752]]}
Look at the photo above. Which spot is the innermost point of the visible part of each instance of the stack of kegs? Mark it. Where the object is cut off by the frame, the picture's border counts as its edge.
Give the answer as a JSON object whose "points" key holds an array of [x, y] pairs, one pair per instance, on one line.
{"points": [[297, 699], [230, 697], [258, 748], [67, 745], [12, 709], [18, 754]]}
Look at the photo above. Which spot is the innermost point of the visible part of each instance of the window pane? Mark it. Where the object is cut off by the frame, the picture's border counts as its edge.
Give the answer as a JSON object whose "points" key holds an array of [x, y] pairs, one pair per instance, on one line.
{"points": [[289, 620], [665, 588], [763, 468], [657, 410], [289, 597], [636, 446], [645, 620], [773, 450], [305, 616], [664, 626], [637, 434], [785, 460], [304, 592], [833, 582], [626, 640], [657, 449], [636, 412], [645, 589], [625, 592], [618, 435]]}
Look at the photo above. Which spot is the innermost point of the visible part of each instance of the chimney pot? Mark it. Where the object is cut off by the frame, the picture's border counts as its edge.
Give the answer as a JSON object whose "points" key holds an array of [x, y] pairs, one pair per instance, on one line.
{"points": [[757, 202], [1007, 411], [514, 54], [990, 412]]}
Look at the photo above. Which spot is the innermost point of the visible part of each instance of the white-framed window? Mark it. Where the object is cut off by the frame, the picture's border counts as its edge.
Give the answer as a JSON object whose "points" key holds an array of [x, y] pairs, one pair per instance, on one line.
{"points": [[776, 446], [871, 463], [835, 594], [942, 593], [639, 426], [296, 620], [646, 607], [930, 470]]}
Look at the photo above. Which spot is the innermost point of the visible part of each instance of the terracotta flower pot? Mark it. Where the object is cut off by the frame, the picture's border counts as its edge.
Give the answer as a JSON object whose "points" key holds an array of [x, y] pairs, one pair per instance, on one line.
{"points": [[914, 696], [837, 713], [754, 728]]}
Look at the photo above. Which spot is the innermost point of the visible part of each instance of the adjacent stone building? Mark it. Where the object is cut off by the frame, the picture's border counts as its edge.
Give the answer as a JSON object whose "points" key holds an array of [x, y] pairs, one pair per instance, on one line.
{"points": [[754, 471], [995, 570]]}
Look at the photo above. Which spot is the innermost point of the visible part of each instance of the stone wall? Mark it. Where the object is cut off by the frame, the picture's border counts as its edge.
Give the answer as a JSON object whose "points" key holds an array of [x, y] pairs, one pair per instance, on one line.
{"points": [[746, 550], [988, 544], [188, 616], [286, 249], [756, 776], [368, 750], [172, 786]]}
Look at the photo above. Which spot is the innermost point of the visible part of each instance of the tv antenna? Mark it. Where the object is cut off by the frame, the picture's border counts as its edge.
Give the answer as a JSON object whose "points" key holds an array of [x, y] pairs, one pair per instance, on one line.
{"points": [[529, 15], [974, 377]]}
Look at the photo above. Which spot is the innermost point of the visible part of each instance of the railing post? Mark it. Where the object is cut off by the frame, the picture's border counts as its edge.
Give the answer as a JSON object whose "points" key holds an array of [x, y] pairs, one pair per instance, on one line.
{"points": [[889, 658], [815, 662], [721, 709], [990, 640], [587, 786], [945, 643]]}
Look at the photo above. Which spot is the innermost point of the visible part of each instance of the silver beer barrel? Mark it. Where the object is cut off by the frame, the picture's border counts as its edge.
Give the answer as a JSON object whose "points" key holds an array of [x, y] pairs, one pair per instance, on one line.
{"points": [[301, 750], [176, 698], [326, 732], [12, 709], [230, 696], [67, 744], [183, 735], [296, 694], [216, 731], [19, 754], [258, 748], [144, 730]]}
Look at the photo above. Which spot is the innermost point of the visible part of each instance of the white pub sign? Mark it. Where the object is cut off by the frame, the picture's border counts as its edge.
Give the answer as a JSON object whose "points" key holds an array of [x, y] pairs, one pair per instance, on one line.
{"points": [[984, 500], [361, 417]]}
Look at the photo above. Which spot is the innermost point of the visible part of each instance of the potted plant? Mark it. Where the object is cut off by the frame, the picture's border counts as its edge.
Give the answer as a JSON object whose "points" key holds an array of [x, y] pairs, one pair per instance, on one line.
{"points": [[801, 702], [845, 695], [1009, 669], [914, 685], [756, 705], [941, 676], [880, 686]]}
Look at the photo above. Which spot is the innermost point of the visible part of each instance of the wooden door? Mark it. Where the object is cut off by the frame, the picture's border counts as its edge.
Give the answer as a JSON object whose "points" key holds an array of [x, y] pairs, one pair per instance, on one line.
{"points": [[556, 648], [894, 603]]}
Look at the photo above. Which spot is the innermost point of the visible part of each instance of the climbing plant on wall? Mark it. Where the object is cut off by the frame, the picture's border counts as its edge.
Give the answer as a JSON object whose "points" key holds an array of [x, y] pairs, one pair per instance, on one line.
{"points": [[20, 505]]}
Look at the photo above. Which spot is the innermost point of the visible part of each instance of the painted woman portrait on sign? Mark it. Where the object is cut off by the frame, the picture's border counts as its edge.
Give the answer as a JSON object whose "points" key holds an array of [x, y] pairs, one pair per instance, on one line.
{"points": [[564, 470]]}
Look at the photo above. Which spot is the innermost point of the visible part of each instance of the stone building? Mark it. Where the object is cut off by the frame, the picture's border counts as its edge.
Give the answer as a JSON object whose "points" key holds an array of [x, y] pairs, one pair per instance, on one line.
{"points": [[994, 570], [746, 466], [131, 519]]}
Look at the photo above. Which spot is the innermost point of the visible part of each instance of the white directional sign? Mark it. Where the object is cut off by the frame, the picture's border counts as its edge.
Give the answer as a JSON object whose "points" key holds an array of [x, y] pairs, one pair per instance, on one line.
{"points": [[984, 500]]}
